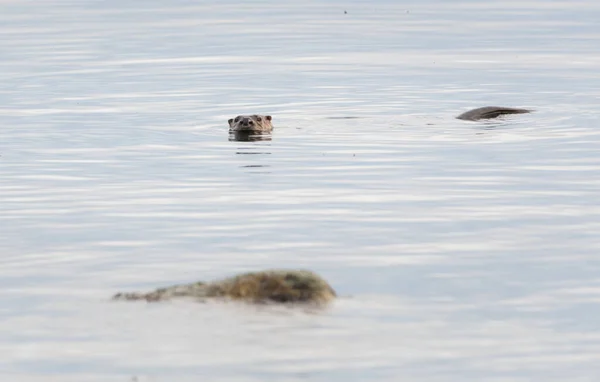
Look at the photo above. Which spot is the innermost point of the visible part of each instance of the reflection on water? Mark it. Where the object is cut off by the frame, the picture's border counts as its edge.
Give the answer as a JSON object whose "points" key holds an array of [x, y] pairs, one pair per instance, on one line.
{"points": [[245, 136], [260, 157], [461, 251]]}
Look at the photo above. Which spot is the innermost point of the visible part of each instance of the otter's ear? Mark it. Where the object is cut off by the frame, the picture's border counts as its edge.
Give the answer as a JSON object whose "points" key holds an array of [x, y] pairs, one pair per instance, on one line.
{"points": [[230, 120], [268, 117]]}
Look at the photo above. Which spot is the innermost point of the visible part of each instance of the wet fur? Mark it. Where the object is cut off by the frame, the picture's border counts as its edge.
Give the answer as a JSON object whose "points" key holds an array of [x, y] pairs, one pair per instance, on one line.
{"points": [[278, 286], [250, 123], [489, 112]]}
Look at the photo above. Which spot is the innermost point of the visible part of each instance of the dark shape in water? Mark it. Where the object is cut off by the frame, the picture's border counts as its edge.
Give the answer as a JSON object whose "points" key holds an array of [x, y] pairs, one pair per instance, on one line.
{"points": [[276, 285], [489, 112]]}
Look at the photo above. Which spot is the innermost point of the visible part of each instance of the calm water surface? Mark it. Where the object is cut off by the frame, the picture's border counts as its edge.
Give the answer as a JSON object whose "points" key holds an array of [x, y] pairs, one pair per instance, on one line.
{"points": [[461, 251]]}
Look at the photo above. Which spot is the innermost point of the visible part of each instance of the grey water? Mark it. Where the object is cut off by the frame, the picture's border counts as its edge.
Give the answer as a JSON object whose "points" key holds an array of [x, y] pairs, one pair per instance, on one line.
{"points": [[461, 251]]}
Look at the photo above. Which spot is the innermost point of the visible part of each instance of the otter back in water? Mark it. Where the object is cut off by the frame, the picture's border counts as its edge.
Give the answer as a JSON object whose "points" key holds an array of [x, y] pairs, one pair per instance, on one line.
{"points": [[250, 123], [282, 286], [489, 112]]}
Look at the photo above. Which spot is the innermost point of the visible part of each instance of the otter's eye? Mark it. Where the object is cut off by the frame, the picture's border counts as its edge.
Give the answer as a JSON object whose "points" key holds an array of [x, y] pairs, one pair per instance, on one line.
{"points": [[258, 119], [237, 119]]}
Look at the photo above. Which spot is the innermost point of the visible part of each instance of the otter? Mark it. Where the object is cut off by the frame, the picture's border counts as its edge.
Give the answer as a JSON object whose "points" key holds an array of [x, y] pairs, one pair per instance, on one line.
{"points": [[488, 112], [275, 285], [250, 123], [247, 125]]}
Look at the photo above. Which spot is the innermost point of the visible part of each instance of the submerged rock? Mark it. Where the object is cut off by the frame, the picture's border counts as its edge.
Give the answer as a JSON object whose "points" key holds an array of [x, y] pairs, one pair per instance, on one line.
{"points": [[281, 286]]}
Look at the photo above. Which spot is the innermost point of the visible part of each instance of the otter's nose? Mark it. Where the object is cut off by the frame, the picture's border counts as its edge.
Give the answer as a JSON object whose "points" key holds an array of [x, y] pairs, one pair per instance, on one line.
{"points": [[247, 121]]}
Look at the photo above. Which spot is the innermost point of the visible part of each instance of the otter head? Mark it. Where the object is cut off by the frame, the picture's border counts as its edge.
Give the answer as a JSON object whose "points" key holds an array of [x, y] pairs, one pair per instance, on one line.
{"points": [[260, 123]]}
